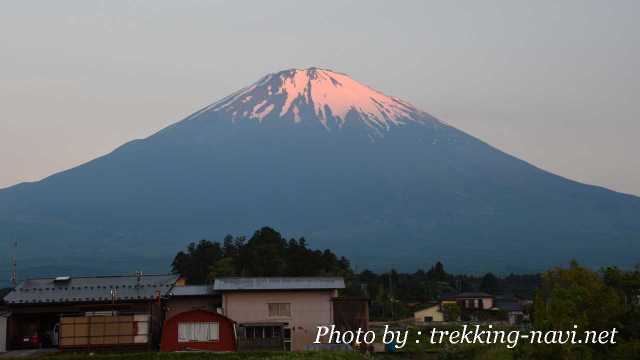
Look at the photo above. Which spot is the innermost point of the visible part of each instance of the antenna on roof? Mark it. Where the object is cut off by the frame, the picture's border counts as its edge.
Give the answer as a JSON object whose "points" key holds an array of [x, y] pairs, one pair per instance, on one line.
{"points": [[138, 277]]}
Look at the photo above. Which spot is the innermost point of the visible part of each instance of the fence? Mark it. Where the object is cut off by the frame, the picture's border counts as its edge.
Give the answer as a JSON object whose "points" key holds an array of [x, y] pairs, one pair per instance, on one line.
{"points": [[104, 331]]}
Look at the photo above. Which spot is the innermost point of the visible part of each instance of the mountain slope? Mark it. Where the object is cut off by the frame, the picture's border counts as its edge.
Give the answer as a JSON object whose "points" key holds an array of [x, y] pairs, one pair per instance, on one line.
{"points": [[312, 152]]}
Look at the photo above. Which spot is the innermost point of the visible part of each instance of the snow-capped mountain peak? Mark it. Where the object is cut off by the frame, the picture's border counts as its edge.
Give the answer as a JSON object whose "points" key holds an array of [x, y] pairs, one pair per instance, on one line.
{"points": [[316, 94]]}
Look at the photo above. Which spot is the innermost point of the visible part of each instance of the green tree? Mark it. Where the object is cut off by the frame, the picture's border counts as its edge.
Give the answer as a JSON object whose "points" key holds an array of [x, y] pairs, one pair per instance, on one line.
{"points": [[222, 267], [264, 254], [626, 282], [577, 296], [574, 296], [451, 311], [196, 262]]}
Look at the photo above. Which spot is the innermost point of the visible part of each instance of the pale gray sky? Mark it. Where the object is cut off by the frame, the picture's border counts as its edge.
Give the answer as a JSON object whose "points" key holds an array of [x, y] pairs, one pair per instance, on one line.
{"points": [[552, 82]]}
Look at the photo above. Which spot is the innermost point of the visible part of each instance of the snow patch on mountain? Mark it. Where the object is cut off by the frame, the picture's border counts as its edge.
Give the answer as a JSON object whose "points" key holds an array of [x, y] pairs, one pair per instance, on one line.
{"points": [[325, 95]]}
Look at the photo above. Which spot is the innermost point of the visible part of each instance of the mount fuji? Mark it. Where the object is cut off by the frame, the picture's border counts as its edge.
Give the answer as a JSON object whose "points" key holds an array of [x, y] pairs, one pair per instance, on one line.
{"points": [[314, 153]]}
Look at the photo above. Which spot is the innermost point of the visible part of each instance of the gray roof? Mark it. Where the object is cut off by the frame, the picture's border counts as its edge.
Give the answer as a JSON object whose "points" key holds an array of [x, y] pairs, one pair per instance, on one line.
{"points": [[193, 290], [508, 305], [278, 283], [90, 289], [466, 295]]}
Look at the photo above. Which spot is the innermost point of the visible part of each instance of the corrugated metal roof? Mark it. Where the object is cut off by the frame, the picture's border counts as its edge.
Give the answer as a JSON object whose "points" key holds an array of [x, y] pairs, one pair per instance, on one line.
{"points": [[193, 290], [508, 305], [277, 283], [465, 295], [90, 289]]}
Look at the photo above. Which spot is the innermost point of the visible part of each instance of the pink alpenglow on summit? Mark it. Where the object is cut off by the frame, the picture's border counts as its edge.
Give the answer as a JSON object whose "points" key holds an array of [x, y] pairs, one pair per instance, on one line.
{"points": [[325, 95]]}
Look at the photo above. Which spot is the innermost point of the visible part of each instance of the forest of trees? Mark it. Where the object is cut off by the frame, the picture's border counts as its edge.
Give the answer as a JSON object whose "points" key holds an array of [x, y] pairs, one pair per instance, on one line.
{"points": [[266, 253]]}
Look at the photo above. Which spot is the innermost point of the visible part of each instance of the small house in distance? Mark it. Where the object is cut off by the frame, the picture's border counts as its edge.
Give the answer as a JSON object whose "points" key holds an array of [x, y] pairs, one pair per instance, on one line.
{"points": [[280, 313], [474, 306], [470, 300], [431, 313]]}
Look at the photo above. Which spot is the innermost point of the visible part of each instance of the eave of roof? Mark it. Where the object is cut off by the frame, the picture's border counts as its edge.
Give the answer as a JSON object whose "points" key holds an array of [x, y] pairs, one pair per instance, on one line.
{"points": [[193, 291], [467, 295], [278, 283]]}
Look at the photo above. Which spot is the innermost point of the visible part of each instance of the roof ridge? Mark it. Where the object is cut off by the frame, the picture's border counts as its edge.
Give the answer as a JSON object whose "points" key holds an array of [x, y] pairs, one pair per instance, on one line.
{"points": [[279, 277], [96, 277]]}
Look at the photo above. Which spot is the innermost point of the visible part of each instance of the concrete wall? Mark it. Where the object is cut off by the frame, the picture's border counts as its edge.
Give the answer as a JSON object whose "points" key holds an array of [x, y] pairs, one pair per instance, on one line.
{"points": [[487, 303], [309, 309]]}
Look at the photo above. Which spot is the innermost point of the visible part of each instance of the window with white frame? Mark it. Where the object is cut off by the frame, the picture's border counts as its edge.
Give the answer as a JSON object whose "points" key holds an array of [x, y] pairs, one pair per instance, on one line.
{"points": [[198, 331], [279, 309]]}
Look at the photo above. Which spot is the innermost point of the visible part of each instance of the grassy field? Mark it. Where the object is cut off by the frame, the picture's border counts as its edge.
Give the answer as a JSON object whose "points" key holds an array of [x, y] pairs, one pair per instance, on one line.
{"points": [[311, 355], [491, 353]]}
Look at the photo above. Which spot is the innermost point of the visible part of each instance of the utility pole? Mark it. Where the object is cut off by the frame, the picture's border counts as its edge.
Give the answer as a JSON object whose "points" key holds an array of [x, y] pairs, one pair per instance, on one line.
{"points": [[14, 271], [114, 297], [393, 316]]}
